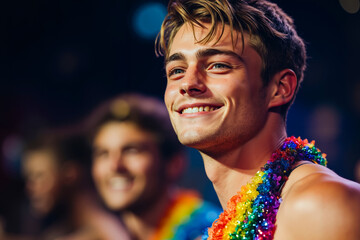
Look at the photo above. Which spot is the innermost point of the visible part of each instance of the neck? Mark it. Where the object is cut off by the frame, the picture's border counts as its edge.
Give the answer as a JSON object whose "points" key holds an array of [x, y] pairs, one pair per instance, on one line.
{"points": [[144, 224], [230, 170]]}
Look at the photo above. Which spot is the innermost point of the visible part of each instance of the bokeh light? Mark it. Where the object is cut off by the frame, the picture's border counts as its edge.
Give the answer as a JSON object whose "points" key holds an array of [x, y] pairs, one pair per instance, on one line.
{"points": [[148, 18], [350, 6]]}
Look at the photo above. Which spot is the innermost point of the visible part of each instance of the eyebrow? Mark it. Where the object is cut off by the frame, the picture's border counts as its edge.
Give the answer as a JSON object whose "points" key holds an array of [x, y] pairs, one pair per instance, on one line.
{"points": [[208, 52], [175, 57]]}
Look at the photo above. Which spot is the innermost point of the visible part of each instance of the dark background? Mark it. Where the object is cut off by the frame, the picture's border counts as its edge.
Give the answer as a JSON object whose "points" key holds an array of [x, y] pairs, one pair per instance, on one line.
{"points": [[61, 58]]}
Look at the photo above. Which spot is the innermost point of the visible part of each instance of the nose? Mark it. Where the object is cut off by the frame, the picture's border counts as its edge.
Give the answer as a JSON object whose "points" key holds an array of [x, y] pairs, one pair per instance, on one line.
{"points": [[193, 83], [117, 162]]}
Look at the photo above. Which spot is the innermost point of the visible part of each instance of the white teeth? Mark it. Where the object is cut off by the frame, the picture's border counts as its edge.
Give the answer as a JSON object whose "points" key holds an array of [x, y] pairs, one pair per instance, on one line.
{"points": [[199, 109], [187, 110], [119, 183]]}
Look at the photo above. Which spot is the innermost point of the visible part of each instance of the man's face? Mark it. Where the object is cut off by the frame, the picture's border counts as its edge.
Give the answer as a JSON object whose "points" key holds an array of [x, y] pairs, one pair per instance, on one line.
{"points": [[126, 166], [43, 179], [214, 93]]}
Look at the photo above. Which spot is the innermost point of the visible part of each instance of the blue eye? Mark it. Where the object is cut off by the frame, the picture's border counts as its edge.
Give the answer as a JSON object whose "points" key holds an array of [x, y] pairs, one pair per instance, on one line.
{"points": [[219, 68], [219, 65], [176, 71]]}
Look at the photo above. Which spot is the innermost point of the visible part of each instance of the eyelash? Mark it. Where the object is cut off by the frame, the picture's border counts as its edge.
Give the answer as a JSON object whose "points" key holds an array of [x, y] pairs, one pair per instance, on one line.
{"points": [[173, 71], [222, 65]]}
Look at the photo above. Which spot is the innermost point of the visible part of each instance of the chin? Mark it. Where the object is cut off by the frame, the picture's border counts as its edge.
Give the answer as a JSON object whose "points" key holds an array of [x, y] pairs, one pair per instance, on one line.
{"points": [[120, 203], [197, 142], [189, 139], [116, 206]]}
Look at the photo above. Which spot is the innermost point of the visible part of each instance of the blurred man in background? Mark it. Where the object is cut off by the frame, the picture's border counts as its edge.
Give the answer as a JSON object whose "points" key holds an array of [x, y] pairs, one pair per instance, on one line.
{"points": [[60, 203], [137, 161]]}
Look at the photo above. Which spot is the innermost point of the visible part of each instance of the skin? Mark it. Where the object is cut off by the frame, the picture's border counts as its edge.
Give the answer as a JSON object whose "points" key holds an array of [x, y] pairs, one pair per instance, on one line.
{"points": [[43, 180], [238, 137], [211, 80], [49, 182], [125, 161], [129, 175]]}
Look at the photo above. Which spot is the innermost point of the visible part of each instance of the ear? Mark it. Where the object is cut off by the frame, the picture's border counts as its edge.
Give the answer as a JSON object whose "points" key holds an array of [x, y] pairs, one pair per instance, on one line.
{"points": [[284, 85]]}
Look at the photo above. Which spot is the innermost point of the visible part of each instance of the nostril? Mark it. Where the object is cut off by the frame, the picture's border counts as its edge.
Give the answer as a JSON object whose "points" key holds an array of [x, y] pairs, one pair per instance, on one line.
{"points": [[192, 87], [195, 90]]}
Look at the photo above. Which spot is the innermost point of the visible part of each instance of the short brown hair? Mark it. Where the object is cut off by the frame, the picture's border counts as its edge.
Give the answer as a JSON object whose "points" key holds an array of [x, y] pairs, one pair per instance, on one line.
{"points": [[146, 112], [272, 32]]}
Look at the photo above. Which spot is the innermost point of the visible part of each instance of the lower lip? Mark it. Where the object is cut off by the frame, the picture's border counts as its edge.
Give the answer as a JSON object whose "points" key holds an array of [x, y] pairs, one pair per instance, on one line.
{"points": [[124, 187]]}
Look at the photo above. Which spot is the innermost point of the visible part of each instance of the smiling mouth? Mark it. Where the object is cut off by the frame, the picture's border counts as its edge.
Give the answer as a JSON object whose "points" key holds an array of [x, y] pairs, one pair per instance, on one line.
{"points": [[199, 109], [120, 183]]}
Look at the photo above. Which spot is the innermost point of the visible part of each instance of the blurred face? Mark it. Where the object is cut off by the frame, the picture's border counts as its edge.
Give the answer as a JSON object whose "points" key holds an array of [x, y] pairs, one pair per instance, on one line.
{"points": [[126, 166], [214, 94], [42, 177]]}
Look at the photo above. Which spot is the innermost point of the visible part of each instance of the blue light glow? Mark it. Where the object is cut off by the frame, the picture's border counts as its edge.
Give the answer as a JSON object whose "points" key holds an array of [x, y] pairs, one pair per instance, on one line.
{"points": [[148, 18]]}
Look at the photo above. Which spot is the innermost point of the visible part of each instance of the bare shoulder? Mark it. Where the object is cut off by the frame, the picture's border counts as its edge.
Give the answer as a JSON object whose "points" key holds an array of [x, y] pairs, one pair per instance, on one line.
{"points": [[318, 204]]}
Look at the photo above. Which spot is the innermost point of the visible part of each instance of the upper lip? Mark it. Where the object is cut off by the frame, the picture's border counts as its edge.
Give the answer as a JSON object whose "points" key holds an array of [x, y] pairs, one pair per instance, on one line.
{"points": [[192, 105]]}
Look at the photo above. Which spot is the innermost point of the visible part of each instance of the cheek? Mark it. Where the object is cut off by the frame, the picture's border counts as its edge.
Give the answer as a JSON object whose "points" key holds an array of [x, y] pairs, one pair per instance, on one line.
{"points": [[98, 171], [47, 185], [229, 89], [170, 93], [140, 165]]}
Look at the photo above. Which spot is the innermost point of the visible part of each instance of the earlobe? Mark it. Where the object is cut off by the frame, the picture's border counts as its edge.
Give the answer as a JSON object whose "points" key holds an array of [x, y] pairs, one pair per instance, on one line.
{"points": [[285, 83]]}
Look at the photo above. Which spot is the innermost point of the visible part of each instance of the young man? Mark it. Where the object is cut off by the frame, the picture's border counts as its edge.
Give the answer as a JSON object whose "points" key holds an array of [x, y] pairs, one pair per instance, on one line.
{"points": [[233, 69], [59, 203], [137, 160]]}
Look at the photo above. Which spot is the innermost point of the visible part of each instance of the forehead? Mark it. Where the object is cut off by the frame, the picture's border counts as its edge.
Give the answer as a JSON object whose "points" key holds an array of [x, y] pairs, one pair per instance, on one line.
{"points": [[188, 37], [114, 132], [39, 159]]}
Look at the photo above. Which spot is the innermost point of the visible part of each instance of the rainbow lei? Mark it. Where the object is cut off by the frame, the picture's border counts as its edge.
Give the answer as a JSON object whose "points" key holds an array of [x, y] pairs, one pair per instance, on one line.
{"points": [[251, 213]]}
